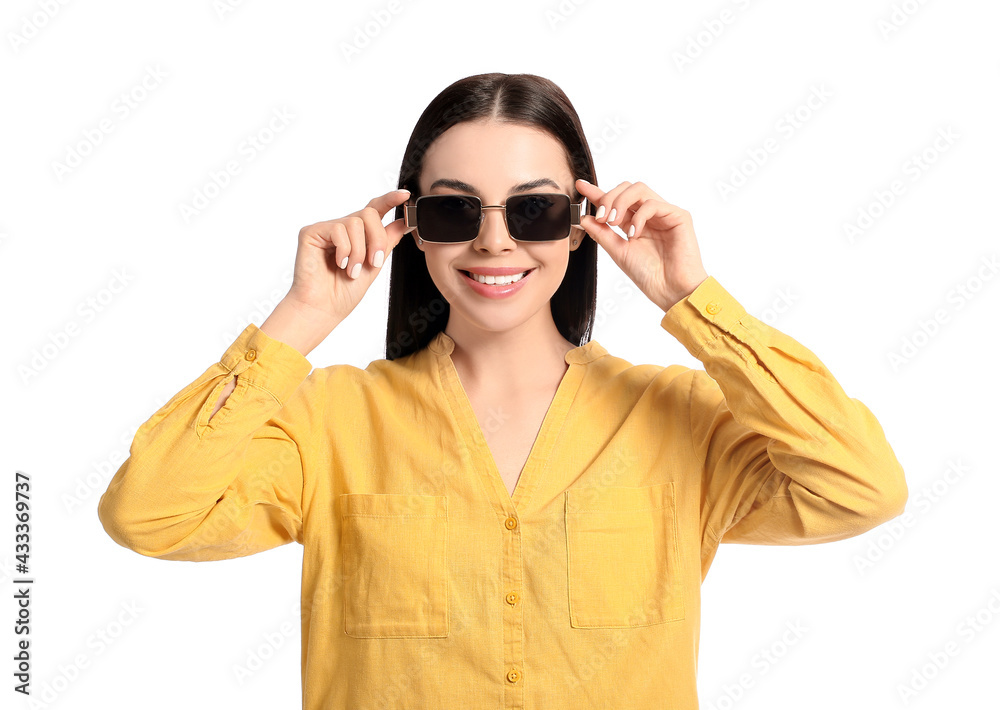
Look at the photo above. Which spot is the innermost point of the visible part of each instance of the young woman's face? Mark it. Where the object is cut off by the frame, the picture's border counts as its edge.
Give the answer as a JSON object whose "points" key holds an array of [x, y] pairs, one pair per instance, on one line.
{"points": [[493, 158]]}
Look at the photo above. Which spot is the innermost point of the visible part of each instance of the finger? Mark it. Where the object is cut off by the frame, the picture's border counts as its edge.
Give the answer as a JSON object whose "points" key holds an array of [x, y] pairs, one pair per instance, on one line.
{"points": [[607, 202], [356, 232], [394, 231], [647, 210], [375, 236], [329, 237], [384, 203], [626, 203], [605, 236], [338, 237], [591, 191], [317, 245], [598, 197], [669, 215]]}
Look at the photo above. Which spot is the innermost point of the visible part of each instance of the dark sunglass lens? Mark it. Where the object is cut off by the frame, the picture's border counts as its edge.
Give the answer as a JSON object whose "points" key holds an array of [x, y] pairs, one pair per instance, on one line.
{"points": [[448, 218], [538, 218]]}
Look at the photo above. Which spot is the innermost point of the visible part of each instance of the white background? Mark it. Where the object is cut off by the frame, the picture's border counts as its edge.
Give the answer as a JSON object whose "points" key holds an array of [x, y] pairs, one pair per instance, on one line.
{"points": [[894, 75]]}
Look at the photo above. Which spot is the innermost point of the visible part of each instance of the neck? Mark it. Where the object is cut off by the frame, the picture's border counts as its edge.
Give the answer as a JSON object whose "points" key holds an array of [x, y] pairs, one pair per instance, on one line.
{"points": [[529, 355]]}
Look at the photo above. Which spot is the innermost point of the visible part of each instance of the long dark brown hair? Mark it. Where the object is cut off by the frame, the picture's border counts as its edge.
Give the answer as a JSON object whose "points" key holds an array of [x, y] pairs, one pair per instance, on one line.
{"points": [[417, 309]]}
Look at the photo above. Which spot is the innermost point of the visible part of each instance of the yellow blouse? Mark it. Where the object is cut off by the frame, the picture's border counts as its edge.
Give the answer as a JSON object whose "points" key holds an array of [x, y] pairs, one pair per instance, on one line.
{"points": [[426, 585]]}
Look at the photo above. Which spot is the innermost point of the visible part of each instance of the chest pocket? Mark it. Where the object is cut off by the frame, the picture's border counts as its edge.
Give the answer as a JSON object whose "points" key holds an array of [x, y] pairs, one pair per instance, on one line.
{"points": [[394, 564], [622, 556]]}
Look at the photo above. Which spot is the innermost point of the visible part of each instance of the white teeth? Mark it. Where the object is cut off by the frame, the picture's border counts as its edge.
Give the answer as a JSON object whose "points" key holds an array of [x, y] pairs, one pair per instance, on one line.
{"points": [[498, 280]]}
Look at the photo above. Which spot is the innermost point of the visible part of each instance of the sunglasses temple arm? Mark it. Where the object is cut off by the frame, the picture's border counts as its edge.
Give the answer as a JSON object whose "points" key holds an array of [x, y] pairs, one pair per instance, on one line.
{"points": [[410, 218]]}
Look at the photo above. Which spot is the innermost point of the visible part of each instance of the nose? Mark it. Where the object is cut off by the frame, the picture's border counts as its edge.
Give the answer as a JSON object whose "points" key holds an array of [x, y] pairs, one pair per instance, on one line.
{"points": [[493, 233]]}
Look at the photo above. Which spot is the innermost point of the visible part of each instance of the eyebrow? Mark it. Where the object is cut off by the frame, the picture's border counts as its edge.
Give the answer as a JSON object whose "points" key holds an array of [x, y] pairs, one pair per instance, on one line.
{"points": [[466, 187]]}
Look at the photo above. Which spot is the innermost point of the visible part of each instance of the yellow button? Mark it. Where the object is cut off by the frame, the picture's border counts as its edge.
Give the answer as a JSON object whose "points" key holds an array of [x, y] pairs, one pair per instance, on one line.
{"points": [[512, 598], [511, 523], [713, 308], [251, 355], [513, 675]]}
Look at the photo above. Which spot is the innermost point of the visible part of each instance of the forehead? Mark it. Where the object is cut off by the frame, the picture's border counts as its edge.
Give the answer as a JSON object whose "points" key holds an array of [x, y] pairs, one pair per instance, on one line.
{"points": [[493, 157]]}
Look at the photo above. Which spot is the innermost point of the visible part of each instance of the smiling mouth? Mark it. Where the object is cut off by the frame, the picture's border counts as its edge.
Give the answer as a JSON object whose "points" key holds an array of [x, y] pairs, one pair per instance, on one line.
{"points": [[493, 280]]}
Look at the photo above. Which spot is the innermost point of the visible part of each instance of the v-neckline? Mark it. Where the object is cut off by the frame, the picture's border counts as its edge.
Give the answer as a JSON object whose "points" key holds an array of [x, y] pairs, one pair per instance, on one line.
{"points": [[548, 432]]}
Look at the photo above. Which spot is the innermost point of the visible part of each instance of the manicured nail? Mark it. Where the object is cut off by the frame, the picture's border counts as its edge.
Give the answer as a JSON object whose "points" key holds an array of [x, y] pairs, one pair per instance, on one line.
{"points": [[356, 270], [631, 231], [343, 264], [377, 261], [611, 217], [600, 212]]}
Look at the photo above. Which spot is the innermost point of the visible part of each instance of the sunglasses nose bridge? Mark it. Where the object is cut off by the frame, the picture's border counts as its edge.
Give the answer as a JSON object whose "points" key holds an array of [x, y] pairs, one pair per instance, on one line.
{"points": [[503, 212]]}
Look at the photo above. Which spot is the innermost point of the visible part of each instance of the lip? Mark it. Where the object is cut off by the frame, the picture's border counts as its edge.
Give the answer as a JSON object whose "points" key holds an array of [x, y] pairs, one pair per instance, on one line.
{"points": [[494, 291], [498, 270]]}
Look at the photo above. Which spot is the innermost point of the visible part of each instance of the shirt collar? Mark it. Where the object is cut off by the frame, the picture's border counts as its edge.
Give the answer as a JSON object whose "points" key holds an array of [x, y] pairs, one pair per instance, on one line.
{"points": [[442, 344]]}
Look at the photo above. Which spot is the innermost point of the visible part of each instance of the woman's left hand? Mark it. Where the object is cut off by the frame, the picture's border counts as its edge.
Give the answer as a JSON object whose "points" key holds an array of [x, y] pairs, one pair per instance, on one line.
{"points": [[661, 256]]}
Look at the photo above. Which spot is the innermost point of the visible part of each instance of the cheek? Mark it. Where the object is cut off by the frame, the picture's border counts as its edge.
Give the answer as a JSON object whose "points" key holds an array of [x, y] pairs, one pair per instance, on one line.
{"points": [[557, 258], [440, 260], [441, 267], [552, 253], [554, 266]]}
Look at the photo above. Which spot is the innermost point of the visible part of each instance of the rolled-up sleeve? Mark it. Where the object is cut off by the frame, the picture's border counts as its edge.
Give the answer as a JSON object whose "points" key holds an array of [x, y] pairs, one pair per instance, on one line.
{"points": [[199, 489], [788, 458]]}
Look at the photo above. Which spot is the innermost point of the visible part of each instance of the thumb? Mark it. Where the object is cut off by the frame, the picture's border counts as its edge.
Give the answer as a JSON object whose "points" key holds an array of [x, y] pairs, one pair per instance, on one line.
{"points": [[606, 237], [395, 231]]}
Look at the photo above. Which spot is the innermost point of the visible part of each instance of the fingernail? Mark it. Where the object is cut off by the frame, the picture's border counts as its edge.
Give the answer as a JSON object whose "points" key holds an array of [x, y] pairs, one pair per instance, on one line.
{"points": [[377, 261], [611, 217], [631, 231], [356, 270], [600, 212], [343, 264], [585, 181]]}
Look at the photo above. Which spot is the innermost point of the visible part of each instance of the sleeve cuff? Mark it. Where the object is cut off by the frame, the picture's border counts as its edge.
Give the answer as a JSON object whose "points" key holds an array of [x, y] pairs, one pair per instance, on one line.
{"points": [[266, 363], [702, 316]]}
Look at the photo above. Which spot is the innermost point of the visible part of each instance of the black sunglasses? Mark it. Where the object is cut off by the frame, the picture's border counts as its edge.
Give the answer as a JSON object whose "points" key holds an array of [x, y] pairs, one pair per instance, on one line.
{"points": [[534, 217]]}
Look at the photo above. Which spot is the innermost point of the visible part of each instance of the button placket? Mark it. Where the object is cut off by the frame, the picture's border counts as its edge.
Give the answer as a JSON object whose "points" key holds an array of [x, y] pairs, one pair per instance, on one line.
{"points": [[513, 614], [479, 458]]}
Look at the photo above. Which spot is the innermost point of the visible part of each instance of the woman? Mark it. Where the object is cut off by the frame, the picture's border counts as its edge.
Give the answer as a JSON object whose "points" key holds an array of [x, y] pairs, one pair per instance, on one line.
{"points": [[501, 513]]}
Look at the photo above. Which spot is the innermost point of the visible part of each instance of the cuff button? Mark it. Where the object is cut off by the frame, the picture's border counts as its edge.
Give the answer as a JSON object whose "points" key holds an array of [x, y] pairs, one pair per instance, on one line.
{"points": [[251, 355], [713, 308]]}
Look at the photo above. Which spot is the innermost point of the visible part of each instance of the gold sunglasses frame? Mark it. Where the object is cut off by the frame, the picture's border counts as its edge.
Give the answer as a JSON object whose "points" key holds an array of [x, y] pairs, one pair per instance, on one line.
{"points": [[576, 212]]}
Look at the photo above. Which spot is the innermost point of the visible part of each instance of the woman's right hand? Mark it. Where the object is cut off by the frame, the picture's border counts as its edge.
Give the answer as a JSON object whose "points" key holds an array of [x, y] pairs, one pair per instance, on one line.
{"points": [[321, 285]]}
